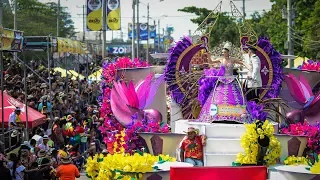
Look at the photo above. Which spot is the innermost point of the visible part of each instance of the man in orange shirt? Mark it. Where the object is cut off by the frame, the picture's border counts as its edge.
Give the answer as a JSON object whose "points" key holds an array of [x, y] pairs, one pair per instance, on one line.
{"points": [[192, 148], [67, 171]]}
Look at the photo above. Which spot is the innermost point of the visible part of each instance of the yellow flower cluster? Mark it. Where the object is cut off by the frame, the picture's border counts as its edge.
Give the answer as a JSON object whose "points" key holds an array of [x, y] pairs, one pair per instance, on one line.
{"points": [[249, 142], [315, 168], [122, 166], [292, 160]]}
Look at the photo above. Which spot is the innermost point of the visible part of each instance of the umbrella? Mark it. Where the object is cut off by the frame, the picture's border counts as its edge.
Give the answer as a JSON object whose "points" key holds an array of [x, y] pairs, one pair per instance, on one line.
{"points": [[35, 118]]}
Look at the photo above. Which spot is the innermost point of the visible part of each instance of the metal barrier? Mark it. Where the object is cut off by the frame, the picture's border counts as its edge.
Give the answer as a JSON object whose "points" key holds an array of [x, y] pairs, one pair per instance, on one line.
{"points": [[9, 143]]}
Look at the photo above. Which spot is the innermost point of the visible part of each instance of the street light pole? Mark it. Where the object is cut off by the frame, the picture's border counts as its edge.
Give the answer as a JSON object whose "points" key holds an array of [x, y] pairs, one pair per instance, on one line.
{"points": [[133, 29], [147, 53], [290, 44], [58, 17], [138, 30], [1, 75], [104, 28], [15, 25], [159, 41]]}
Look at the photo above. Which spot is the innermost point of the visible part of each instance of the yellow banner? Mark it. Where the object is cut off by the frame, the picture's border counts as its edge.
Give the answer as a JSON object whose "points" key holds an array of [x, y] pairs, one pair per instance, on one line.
{"points": [[70, 46], [113, 15], [10, 40], [94, 15]]}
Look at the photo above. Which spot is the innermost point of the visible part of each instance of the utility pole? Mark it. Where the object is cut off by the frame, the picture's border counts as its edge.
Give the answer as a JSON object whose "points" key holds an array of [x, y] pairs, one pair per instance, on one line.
{"points": [[84, 23], [290, 44], [104, 29], [244, 9], [15, 27], [1, 14], [159, 41], [138, 30], [15, 15], [148, 17], [58, 18], [133, 29], [1, 75]]}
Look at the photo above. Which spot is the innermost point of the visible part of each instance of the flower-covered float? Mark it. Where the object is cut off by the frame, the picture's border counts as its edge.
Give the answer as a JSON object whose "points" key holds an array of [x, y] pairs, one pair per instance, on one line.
{"points": [[126, 121]]}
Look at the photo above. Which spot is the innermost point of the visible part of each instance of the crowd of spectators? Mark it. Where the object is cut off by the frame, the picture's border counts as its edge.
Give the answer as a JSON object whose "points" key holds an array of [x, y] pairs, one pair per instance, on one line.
{"points": [[59, 147]]}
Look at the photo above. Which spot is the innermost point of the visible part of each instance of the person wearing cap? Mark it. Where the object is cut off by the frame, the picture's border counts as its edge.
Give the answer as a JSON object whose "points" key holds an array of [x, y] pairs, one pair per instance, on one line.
{"points": [[254, 81], [14, 118], [67, 170], [191, 149], [44, 145]]}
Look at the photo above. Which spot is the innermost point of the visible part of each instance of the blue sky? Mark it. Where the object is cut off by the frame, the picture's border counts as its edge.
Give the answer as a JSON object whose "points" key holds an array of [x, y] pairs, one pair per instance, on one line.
{"points": [[180, 21]]}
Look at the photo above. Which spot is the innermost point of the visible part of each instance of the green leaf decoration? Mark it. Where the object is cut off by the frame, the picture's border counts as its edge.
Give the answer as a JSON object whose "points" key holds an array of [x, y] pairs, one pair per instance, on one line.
{"points": [[161, 162], [236, 164], [315, 155], [308, 168], [162, 124], [118, 171], [160, 159], [155, 167], [140, 152], [309, 163], [88, 175], [120, 177]]}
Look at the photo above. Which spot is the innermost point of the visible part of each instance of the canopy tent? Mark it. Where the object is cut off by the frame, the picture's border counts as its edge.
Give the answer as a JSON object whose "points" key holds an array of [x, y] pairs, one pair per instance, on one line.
{"points": [[96, 76], [73, 74], [35, 118]]}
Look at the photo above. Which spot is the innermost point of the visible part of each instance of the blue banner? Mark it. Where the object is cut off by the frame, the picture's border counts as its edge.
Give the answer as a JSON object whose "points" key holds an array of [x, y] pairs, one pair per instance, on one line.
{"points": [[130, 30], [143, 27], [156, 40], [143, 31], [153, 31]]}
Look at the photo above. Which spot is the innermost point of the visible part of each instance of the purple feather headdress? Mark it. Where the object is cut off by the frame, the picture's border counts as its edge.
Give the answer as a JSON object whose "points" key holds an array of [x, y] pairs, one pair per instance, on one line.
{"points": [[170, 77], [276, 61]]}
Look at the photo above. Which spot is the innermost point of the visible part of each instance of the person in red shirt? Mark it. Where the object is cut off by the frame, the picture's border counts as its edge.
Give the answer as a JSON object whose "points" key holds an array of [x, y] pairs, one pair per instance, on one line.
{"points": [[67, 171], [191, 150]]}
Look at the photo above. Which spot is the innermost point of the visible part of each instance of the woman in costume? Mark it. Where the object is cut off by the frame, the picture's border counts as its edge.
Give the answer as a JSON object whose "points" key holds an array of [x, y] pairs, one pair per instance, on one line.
{"points": [[226, 101]]}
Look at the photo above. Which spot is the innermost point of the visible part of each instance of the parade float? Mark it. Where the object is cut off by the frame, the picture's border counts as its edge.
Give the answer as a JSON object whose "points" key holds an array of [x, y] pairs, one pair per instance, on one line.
{"points": [[264, 139], [269, 133]]}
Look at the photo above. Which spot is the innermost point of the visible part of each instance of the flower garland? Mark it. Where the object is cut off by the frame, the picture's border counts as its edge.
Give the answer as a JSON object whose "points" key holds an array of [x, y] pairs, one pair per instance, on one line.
{"points": [[111, 128], [249, 142], [123, 166], [293, 160], [310, 65], [305, 129]]}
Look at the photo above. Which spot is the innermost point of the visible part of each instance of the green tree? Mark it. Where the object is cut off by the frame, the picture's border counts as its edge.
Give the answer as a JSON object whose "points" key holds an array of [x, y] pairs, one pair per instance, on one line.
{"points": [[39, 19], [225, 28]]}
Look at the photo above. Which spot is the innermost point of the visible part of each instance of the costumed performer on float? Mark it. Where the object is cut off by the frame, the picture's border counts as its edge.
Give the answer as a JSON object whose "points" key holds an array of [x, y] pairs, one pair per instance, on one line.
{"points": [[254, 81], [226, 100]]}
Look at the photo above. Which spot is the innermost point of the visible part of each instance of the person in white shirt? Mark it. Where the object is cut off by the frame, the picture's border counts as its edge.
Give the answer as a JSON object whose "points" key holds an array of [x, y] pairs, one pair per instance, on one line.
{"points": [[38, 137], [14, 118], [254, 81]]}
